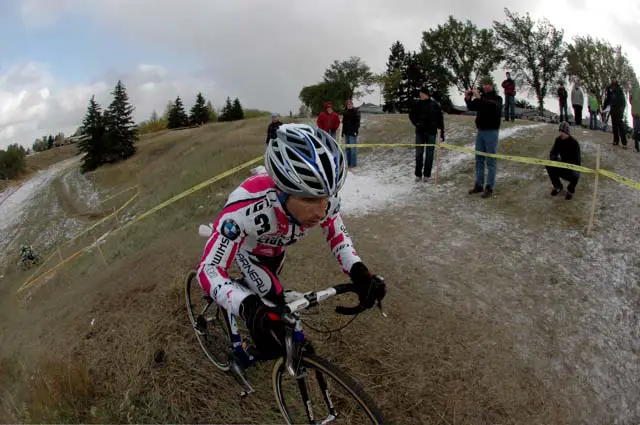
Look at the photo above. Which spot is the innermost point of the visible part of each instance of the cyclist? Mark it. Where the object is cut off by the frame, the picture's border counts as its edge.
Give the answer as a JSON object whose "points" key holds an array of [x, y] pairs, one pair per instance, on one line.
{"points": [[271, 211], [27, 253]]}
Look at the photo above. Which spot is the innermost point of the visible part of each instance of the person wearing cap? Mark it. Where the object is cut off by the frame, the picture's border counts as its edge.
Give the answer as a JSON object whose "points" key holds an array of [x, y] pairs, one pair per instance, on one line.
{"points": [[565, 149], [273, 127], [350, 129], [488, 107], [426, 116], [328, 120]]}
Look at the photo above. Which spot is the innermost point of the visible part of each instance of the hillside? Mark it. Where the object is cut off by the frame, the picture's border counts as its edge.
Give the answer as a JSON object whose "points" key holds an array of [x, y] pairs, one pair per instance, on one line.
{"points": [[499, 310]]}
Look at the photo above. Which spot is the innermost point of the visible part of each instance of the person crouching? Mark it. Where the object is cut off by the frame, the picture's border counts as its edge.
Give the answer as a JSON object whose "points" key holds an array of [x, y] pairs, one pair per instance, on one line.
{"points": [[565, 149]]}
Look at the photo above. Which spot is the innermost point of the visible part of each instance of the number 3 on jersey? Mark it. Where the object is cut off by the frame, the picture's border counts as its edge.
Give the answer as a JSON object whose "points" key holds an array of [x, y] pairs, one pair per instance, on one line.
{"points": [[263, 221]]}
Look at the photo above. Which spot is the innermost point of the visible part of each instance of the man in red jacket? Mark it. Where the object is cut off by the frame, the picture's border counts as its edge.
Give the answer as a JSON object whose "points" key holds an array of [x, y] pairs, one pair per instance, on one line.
{"points": [[328, 120], [509, 87]]}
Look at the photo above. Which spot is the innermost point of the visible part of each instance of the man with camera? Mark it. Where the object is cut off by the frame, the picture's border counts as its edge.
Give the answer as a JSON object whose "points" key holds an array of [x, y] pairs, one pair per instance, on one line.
{"points": [[488, 107]]}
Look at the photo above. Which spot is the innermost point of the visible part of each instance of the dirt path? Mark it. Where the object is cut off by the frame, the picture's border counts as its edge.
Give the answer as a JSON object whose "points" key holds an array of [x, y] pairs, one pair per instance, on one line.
{"points": [[567, 304], [16, 201]]}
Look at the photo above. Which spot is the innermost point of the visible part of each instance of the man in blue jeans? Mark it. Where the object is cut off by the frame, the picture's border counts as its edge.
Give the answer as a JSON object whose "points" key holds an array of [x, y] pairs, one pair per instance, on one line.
{"points": [[426, 117], [350, 129], [488, 107]]}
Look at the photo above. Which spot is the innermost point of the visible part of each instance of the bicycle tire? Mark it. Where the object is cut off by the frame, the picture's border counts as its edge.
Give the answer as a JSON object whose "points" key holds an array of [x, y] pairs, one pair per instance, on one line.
{"points": [[312, 361], [221, 361]]}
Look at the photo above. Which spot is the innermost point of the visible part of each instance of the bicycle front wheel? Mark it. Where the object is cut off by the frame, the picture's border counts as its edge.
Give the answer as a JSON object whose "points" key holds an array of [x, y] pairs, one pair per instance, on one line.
{"points": [[324, 394], [209, 323]]}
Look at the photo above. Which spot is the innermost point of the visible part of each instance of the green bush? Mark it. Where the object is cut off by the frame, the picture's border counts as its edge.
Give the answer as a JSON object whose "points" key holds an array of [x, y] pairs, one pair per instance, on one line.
{"points": [[12, 161]]}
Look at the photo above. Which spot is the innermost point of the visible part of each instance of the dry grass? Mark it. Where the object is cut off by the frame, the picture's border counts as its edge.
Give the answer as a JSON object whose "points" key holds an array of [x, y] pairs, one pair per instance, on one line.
{"points": [[429, 362], [42, 160]]}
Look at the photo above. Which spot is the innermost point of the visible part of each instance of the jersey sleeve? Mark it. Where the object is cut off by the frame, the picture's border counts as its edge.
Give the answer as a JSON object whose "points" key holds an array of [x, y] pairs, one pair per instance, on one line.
{"points": [[338, 238], [229, 233]]}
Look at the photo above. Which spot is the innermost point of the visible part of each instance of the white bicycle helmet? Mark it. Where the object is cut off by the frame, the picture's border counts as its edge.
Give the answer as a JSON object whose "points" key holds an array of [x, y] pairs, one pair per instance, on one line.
{"points": [[305, 161]]}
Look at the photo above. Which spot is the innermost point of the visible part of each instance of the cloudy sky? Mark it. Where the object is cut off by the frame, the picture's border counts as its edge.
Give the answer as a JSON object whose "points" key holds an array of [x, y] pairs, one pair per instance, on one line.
{"points": [[56, 53]]}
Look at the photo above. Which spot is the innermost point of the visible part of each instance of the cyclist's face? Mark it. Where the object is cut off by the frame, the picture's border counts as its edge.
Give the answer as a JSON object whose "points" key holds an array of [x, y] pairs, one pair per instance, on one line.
{"points": [[308, 211]]}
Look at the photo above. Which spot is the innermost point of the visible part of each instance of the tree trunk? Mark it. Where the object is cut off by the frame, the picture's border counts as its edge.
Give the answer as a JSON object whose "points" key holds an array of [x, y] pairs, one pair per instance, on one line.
{"points": [[540, 105]]}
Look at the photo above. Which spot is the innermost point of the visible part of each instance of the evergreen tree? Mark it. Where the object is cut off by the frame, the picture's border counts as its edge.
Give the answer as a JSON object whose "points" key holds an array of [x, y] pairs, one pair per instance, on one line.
{"points": [[177, 116], [394, 81], [236, 110], [121, 130], [50, 141], [227, 110], [93, 134], [167, 110], [199, 111], [211, 112], [154, 116]]}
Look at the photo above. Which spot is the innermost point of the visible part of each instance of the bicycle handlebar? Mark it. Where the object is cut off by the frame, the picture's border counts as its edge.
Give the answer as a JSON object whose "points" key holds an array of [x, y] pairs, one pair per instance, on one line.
{"points": [[312, 299]]}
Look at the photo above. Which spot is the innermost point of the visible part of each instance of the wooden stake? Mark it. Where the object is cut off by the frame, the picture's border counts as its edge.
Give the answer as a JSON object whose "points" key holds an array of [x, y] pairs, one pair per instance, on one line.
{"points": [[100, 251], [60, 254], [595, 193], [437, 161]]}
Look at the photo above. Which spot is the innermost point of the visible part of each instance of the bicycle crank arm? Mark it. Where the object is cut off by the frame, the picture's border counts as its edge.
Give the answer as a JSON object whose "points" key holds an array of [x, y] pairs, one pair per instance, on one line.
{"points": [[238, 375]]}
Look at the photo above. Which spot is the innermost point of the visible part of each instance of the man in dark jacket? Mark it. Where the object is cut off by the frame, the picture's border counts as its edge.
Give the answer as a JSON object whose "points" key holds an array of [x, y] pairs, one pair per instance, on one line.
{"points": [[565, 149], [616, 99], [350, 129], [273, 127], [488, 107], [509, 87], [562, 102], [426, 116]]}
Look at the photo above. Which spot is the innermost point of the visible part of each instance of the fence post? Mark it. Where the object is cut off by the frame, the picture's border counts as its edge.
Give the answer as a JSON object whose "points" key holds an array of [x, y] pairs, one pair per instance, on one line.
{"points": [[595, 193], [100, 251], [437, 161]]}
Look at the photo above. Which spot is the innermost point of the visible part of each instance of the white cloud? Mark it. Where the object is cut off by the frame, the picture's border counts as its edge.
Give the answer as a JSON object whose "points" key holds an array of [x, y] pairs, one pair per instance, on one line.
{"points": [[33, 103]]}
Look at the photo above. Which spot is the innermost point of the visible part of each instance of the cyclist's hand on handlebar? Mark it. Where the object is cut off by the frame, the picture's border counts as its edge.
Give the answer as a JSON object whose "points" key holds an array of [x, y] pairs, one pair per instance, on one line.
{"points": [[370, 288]]}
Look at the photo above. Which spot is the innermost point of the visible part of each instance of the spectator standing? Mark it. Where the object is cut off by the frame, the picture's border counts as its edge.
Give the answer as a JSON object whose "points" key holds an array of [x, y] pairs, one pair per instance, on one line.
{"points": [[634, 100], [577, 101], [273, 127], [488, 107], [562, 102], [328, 120], [426, 116], [509, 87], [350, 129], [594, 111], [616, 100], [565, 149]]}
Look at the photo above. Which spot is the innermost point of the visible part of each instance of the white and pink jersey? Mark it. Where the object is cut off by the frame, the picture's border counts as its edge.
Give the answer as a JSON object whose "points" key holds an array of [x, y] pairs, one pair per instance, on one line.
{"points": [[254, 230]]}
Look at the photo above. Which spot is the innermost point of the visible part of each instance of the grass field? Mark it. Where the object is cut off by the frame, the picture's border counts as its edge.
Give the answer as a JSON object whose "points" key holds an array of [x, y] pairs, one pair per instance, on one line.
{"points": [[500, 310]]}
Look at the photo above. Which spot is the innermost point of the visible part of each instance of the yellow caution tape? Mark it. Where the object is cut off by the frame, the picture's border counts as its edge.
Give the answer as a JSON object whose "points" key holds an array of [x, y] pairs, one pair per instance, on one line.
{"points": [[621, 179], [118, 194], [523, 159], [191, 190], [170, 201]]}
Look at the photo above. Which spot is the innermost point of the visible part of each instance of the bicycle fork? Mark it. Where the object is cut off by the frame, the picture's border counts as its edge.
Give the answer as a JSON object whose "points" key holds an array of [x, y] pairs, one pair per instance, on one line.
{"points": [[306, 400]]}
